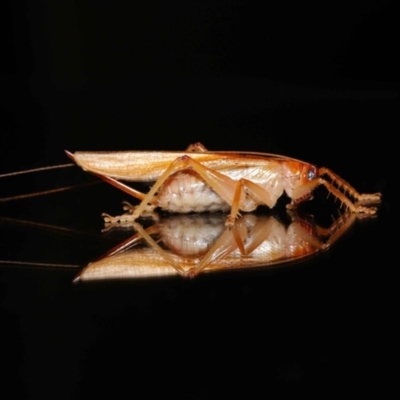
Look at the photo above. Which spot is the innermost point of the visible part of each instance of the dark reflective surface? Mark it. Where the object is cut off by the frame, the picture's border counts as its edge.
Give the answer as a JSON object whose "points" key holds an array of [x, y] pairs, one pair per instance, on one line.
{"points": [[326, 94]]}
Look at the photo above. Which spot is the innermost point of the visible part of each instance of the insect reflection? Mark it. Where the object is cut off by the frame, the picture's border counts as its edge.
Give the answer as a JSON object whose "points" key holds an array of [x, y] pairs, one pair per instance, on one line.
{"points": [[190, 244]]}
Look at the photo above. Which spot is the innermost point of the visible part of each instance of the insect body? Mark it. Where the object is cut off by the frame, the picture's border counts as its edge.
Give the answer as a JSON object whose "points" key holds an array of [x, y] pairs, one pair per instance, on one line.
{"points": [[198, 180]]}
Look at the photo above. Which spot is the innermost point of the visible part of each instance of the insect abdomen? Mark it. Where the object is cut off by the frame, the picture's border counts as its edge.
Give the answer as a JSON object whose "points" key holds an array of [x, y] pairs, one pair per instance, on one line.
{"points": [[186, 192]]}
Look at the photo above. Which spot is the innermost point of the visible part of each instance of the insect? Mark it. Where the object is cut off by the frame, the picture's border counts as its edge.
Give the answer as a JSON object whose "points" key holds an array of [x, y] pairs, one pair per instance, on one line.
{"points": [[199, 180]]}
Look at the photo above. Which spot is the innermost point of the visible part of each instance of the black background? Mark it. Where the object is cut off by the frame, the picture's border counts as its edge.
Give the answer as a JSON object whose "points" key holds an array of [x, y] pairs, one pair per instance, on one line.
{"points": [[318, 83]]}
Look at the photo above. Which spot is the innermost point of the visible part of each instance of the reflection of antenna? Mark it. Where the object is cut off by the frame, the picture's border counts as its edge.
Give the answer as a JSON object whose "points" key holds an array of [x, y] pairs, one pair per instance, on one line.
{"points": [[44, 192], [42, 233]]}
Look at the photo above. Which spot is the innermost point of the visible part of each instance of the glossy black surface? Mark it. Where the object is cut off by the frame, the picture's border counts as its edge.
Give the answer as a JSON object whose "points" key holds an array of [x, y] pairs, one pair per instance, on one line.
{"points": [[114, 76]]}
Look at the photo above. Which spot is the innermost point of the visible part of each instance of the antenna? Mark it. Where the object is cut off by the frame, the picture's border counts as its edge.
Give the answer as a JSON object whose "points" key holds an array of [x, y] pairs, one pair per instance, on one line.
{"points": [[43, 192], [28, 171]]}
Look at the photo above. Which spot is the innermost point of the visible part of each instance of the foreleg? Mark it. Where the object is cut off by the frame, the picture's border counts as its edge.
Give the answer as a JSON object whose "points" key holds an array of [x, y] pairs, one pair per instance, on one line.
{"points": [[362, 198], [352, 206]]}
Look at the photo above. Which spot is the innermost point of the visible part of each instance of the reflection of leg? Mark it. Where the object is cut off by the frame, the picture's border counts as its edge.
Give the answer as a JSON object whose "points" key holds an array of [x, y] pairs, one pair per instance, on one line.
{"points": [[246, 235], [228, 242], [336, 230], [130, 242], [323, 237], [364, 198], [224, 245], [221, 184], [176, 262], [257, 231]]}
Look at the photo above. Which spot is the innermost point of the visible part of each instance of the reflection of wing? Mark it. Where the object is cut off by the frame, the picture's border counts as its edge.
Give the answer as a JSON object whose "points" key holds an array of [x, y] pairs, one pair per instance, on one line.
{"points": [[192, 244]]}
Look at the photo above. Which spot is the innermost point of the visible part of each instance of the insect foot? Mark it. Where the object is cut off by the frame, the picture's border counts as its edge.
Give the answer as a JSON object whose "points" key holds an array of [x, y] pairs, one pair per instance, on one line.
{"points": [[230, 221], [373, 198], [362, 211], [129, 217], [366, 210]]}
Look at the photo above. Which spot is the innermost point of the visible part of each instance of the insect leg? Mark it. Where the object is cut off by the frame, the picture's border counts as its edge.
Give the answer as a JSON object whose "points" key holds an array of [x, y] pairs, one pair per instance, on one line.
{"points": [[121, 186], [255, 194], [221, 184], [127, 217], [196, 148], [363, 198], [113, 182], [354, 207], [125, 188], [125, 220], [310, 186]]}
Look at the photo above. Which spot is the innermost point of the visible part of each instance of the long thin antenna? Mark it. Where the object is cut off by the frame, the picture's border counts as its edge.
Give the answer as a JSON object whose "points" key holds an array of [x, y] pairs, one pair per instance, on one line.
{"points": [[43, 192], [36, 170]]}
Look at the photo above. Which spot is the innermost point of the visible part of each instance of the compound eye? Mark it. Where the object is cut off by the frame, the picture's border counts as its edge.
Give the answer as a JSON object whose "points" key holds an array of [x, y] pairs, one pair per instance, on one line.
{"points": [[312, 173]]}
